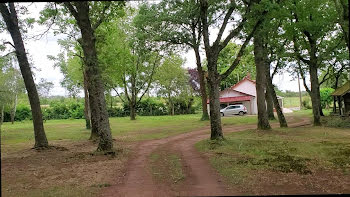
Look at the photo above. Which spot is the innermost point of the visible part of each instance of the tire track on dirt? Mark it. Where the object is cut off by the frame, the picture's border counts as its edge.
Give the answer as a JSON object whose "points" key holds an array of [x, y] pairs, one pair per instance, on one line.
{"points": [[201, 178]]}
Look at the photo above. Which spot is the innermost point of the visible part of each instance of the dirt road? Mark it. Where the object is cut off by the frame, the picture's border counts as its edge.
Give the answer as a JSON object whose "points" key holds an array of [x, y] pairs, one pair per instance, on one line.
{"points": [[201, 178]]}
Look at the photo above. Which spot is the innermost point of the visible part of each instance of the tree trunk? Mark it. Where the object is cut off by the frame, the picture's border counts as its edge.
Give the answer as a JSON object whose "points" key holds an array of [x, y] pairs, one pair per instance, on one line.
{"points": [[132, 101], [282, 120], [300, 100], [132, 110], [321, 111], [315, 86], [214, 99], [205, 115], [315, 92], [172, 109], [339, 104], [335, 98], [13, 111], [1, 115], [263, 121], [99, 114], [86, 105], [11, 20], [269, 103]]}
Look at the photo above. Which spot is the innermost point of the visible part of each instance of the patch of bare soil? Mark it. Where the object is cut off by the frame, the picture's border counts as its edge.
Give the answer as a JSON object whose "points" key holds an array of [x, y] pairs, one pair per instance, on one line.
{"points": [[68, 163]]}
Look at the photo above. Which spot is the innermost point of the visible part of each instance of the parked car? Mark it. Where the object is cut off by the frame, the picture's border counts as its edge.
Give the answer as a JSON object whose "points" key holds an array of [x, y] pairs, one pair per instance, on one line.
{"points": [[234, 110]]}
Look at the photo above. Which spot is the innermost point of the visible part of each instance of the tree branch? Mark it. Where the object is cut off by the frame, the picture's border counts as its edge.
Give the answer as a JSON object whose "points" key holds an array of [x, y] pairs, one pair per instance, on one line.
{"points": [[9, 43], [241, 51], [303, 77], [224, 24], [236, 31], [324, 77], [121, 98], [103, 15], [204, 15], [125, 87], [72, 10], [150, 79]]}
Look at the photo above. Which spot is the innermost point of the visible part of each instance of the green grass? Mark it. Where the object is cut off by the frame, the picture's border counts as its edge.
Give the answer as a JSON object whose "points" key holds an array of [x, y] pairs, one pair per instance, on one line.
{"points": [[298, 150], [143, 128], [293, 101]]}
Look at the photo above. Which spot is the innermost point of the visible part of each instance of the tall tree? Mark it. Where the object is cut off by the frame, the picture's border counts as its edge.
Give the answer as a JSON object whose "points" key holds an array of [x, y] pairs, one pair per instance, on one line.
{"points": [[129, 63], [261, 85], [221, 12], [9, 15], [177, 23], [309, 26], [172, 84], [99, 119]]}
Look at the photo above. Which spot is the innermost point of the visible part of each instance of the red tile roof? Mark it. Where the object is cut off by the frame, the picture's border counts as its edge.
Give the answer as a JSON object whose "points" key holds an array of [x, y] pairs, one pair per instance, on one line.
{"points": [[234, 99]]}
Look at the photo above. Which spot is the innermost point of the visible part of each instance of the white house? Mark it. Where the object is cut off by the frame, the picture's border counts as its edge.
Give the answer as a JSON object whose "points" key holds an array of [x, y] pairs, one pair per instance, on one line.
{"points": [[243, 92]]}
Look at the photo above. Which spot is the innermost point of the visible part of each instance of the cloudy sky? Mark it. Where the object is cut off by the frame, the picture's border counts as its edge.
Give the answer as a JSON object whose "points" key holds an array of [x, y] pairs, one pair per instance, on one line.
{"points": [[47, 45]]}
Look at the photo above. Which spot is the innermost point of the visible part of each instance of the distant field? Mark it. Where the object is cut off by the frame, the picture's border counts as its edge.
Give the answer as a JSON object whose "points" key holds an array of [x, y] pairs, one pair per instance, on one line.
{"points": [[289, 102]]}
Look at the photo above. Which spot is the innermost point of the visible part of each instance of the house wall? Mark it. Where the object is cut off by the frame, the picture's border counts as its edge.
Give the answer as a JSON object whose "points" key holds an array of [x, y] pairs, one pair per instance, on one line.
{"points": [[254, 106], [246, 86]]}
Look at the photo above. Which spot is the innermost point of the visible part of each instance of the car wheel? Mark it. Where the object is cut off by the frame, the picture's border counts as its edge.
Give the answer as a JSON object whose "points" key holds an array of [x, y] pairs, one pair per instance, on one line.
{"points": [[222, 114], [241, 113]]}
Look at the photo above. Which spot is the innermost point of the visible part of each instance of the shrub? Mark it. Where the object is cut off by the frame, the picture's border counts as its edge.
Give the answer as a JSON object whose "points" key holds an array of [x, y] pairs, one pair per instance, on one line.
{"points": [[326, 97], [116, 112], [23, 112], [307, 103]]}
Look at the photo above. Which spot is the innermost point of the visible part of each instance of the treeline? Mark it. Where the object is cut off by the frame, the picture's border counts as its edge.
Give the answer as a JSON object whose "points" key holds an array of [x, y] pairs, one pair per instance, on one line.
{"points": [[74, 109]]}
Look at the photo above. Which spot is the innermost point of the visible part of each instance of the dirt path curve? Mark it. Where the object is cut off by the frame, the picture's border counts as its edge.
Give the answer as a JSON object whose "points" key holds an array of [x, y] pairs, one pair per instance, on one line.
{"points": [[201, 178]]}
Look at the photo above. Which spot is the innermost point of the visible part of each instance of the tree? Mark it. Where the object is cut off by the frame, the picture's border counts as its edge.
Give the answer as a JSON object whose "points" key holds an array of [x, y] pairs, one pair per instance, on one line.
{"points": [[209, 12], [129, 63], [261, 85], [74, 74], [44, 87], [342, 7], [309, 27], [99, 119], [176, 23], [172, 84], [9, 15], [326, 97]]}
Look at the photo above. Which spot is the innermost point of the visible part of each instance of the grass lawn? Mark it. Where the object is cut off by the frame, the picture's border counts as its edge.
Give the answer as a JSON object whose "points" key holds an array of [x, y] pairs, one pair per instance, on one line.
{"points": [[73, 170], [283, 161], [143, 128]]}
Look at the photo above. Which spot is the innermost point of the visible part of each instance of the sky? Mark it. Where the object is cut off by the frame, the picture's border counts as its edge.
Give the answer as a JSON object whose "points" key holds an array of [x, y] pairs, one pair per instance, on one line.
{"points": [[47, 45]]}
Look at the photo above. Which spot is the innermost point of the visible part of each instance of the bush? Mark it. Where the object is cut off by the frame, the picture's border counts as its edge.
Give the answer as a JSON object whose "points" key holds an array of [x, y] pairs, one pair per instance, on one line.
{"points": [[64, 110], [307, 103], [116, 112], [148, 107], [23, 112], [326, 97]]}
